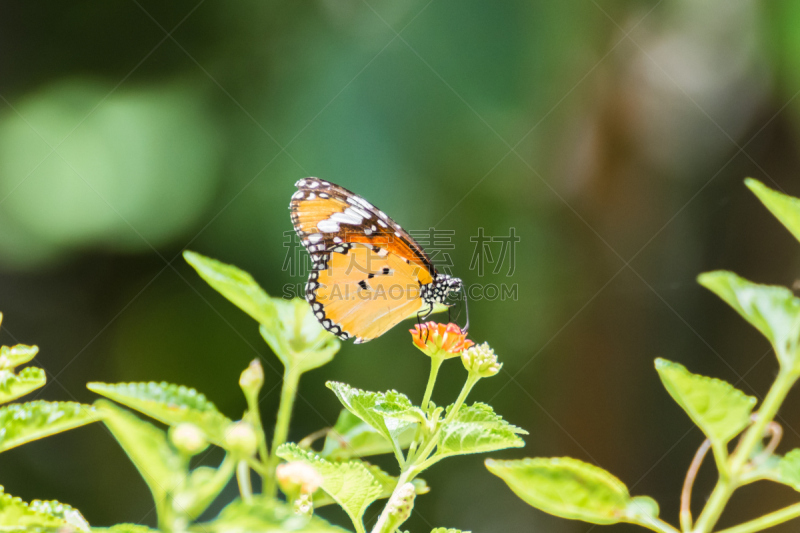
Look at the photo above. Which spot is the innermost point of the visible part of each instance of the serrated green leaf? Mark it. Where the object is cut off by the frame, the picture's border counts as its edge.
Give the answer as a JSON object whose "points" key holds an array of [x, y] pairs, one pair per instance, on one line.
{"points": [[569, 488], [13, 386], [788, 469], [163, 469], [124, 528], [350, 484], [170, 404], [785, 208], [12, 357], [377, 409], [771, 309], [297, 337], [236, 285], [477, 429], [26, 422], [264, 515], [68, 514], [16, 515], [718, 408], [351, 437]]}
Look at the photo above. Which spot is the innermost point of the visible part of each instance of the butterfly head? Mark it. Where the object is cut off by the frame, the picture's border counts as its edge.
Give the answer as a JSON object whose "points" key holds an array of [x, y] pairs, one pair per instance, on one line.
{"points": [[441, 287]]}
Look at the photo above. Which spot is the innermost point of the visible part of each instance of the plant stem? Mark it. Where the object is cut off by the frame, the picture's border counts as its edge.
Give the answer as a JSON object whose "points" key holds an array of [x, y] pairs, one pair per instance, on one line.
{"points": [[254, 417], [436, 363], [766, 521], [243, 478], [291, 379], [740, 457], [657, 525], [472, 379]]}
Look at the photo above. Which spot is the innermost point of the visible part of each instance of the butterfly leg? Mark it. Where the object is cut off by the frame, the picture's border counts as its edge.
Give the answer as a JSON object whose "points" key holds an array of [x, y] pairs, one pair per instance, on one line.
{"points": [[422, 315]]}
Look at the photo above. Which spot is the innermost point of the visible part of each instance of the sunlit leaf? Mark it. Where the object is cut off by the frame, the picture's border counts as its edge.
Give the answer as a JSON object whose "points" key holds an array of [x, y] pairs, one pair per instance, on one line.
{"points": [[16, 515], [352, 437], [386, 481], [264, 515], [569, 488], [788, 469], [448, 530], [236, 285], [476, 429], [168, 403], [13, 386], [297, 337], [13, 356], [160, 466], [785, 208], [125, 528], [56, 509], [719, 409], [25, 422], [350, 484], [378, 409], [773, 310]]}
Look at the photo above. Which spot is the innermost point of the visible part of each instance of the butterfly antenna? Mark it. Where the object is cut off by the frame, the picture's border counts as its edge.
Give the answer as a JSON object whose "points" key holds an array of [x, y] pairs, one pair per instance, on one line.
{"points": [[466, 309]]}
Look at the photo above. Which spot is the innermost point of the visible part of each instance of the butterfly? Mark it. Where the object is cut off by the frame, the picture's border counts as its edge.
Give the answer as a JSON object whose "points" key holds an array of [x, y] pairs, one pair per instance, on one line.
{"points": [[368, 273]]}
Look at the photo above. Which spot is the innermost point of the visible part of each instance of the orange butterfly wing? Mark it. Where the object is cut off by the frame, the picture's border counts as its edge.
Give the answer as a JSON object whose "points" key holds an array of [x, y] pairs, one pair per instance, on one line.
{"points": [[367, 270], [326, 215], [364, 294]]}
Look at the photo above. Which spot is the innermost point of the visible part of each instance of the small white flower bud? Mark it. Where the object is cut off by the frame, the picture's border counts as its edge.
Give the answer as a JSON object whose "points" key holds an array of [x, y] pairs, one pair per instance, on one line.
{"points": [[188, 438], [481, 360], [297, 475], [252, 377], [241, 439]]}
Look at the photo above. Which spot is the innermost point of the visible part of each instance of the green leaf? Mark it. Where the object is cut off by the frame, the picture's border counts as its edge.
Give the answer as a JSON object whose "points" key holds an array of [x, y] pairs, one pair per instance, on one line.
{"points": [[125, 528], [297, 337], [350, 484], [263, 515], [351, 437], [14, 356], [788, 469], [477, 429], [12, 386], [163, 469], [170, 404], [378, 409], [236, 285], [572, 489], [719, 409], [16, 515], [785, 208], [773, 310], [26, 422], [62, 511], [448, 530]]}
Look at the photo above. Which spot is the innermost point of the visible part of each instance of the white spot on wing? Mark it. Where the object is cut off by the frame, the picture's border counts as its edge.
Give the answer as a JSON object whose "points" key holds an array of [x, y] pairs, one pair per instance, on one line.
{"points": [[356, 212], [328, 226], [348, 217], [316, 237]]}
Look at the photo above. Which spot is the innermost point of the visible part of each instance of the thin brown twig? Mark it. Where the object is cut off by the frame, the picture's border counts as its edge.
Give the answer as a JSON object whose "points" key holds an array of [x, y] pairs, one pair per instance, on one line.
{"points": [[776, 433], [688, 483]]}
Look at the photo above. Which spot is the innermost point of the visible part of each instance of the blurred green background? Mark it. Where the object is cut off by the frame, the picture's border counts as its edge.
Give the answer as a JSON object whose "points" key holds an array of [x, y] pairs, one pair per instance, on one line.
{"points": [[613, 136]]}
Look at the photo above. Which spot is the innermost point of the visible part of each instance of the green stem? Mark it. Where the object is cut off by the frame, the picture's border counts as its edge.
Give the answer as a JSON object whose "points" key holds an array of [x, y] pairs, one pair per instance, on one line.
{"points": [[658, 525], [254, 417], [472, 379], [436, 363], [767, 521], [243, 478], [291, 379], [738, 461]]}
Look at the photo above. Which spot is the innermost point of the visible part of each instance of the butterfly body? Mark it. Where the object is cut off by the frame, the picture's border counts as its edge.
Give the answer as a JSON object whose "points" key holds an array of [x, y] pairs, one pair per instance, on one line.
{"points": [[368, 273]]}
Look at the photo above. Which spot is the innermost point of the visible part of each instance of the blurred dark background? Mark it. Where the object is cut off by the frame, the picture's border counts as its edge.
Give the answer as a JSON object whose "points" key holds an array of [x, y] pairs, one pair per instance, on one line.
{"points": [[612, 136]]}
